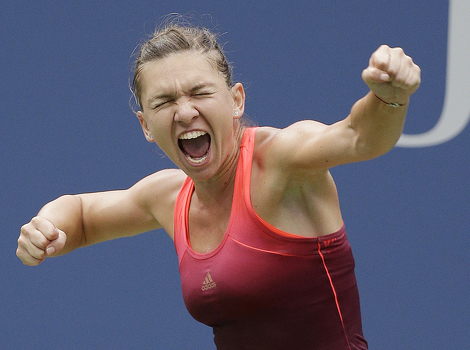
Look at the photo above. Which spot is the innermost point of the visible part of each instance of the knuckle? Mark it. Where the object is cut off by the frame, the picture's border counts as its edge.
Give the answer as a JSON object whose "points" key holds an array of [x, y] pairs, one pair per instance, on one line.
{"points": [[26, 258], [409, 61], [25, 228], [397, 51], [36, 220], [21, 241], [380, 62]]}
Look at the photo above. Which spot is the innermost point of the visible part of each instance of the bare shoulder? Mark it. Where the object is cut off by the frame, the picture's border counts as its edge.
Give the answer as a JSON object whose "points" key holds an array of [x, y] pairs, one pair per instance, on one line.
{"points": [[171, 179], [289, 134], [158, 192], [282, 147]]}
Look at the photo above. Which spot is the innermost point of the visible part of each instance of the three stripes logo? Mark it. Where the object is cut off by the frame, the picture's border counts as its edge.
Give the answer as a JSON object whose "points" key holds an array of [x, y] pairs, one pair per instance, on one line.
{"points": [[208, 283]]}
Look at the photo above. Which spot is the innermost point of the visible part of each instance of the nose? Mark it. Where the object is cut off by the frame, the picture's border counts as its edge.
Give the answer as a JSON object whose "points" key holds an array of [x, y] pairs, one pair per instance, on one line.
{"points": [[185, 112]]}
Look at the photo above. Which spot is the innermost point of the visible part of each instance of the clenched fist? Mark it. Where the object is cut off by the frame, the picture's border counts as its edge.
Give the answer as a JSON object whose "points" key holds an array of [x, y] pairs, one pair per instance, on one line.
{"points": [[39, 239], [391, 75]]}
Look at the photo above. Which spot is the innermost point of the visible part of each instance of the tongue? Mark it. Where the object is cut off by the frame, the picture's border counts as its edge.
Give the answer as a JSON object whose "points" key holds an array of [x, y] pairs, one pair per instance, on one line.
{"points": [[196, 147]]}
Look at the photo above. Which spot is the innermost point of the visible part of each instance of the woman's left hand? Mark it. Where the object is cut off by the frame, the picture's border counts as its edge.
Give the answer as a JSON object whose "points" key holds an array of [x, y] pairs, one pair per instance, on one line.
{"points": [[392, 75]]}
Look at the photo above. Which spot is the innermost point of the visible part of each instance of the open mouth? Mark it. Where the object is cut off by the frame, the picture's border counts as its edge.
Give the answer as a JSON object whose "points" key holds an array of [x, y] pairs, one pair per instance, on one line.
{"points": [[195, 146]]}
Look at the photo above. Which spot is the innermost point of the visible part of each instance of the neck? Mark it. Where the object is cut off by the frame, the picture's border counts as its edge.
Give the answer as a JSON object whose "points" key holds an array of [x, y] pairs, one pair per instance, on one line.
{"points": [[220, 188]]}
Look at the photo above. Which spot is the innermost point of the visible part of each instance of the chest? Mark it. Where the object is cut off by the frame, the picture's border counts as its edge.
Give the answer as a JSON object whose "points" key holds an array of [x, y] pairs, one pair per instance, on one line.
{"points": [[240, 281], [207, 225]]}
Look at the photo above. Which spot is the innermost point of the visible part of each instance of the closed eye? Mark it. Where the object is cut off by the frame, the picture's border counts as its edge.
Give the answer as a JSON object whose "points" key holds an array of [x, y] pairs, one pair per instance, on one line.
{"points": [[160, 104], [203, 90], [202, 94]]}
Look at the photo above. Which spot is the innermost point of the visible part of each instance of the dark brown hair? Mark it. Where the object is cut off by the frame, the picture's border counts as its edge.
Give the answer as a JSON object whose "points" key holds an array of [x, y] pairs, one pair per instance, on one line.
{"points": [[174, 37]]}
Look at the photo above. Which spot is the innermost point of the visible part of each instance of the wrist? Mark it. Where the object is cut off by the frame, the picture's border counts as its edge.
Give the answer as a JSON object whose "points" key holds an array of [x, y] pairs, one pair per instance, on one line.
{"points": [[391, 104]]}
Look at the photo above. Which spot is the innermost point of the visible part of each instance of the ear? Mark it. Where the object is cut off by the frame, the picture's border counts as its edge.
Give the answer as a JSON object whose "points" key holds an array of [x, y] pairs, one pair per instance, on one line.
{"points": [[148, 135], [238, 95]]}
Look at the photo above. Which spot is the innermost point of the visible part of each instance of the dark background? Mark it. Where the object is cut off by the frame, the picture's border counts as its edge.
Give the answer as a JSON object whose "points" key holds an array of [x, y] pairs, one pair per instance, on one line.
{"points": [[66, 127]]}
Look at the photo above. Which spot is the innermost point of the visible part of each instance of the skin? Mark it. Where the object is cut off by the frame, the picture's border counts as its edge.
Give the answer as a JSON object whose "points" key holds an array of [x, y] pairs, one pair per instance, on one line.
{"points": [[294, 189]]}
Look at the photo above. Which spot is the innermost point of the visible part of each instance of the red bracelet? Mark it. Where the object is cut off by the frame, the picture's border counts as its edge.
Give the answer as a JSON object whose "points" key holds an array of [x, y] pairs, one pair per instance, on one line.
{"points": [[392, 104]]}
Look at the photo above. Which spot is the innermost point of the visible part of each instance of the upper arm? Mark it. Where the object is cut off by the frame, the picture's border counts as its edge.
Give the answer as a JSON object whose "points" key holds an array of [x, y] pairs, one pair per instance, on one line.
{"points": [[370, 130], [146, 206], [311, 145]]}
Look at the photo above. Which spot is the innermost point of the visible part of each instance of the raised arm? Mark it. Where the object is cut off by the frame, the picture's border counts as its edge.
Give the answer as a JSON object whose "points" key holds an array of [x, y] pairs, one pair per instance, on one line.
{"points": [[378, 118], [372, 128], [74, 221]]}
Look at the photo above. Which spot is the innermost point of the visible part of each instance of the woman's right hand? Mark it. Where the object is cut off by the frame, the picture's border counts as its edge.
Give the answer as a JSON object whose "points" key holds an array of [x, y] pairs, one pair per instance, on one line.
{"points": [[39, 239]]}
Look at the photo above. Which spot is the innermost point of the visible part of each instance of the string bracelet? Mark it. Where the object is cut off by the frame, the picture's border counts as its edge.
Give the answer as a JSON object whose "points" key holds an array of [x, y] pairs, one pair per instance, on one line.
{"points": [[391, 104]]}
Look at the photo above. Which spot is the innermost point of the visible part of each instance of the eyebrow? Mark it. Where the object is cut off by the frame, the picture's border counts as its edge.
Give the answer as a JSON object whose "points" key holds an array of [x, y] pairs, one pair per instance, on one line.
{"points": [[201, 86], [195, 88]]}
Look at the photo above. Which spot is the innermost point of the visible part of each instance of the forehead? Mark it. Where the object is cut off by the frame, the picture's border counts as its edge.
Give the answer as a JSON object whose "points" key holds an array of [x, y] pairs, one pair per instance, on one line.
{"points": [[179, 71]]}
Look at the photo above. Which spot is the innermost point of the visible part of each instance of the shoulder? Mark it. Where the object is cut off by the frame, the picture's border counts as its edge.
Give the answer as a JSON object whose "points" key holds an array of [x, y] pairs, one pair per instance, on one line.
{"points": [[282, 147], [298, 129], [158, 193], [170, 178], [160, 186]]}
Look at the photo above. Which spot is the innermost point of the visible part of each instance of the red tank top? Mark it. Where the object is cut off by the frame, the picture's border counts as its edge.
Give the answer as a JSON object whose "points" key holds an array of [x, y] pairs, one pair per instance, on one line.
{"points": [[262, 288]]}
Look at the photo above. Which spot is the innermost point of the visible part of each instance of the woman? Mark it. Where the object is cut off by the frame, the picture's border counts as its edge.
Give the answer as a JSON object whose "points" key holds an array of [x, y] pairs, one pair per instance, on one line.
{"points": [[254, 213]]}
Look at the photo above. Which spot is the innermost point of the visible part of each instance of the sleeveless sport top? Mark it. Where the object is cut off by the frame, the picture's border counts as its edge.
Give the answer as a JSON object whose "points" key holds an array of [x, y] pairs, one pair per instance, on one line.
{"points": [[263, 288]]}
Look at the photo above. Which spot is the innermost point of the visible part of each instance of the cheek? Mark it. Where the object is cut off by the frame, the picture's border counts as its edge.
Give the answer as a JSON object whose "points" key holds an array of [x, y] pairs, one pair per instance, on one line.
{"points": [[223, 110], [160, 127]]}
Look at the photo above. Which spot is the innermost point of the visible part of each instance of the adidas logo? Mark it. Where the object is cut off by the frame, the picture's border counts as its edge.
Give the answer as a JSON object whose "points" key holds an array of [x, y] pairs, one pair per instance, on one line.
{"points": [[208, 282]]}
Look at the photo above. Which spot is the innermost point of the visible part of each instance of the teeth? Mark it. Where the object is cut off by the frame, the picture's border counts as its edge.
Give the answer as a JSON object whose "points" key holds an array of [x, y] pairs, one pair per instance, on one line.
{"points": [[198, 160], [192, 135]]}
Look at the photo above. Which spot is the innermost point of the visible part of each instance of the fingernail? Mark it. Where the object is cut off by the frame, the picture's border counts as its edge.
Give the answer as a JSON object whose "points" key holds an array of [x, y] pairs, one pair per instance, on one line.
{"points": [[384, 77], [50, 250]]}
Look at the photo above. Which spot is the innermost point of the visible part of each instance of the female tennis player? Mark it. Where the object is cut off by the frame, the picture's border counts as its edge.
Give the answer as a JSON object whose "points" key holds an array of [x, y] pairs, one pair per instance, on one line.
{"points": [[253, 211]]}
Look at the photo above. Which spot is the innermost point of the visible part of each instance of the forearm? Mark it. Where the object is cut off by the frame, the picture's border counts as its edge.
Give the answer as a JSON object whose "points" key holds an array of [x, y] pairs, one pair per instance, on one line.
{"points": [[65, 213], [377, 125]]}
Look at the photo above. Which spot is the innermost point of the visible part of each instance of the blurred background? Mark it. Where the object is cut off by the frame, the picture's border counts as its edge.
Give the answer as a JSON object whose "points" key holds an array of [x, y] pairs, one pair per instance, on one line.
{"points": [[67, 128]]}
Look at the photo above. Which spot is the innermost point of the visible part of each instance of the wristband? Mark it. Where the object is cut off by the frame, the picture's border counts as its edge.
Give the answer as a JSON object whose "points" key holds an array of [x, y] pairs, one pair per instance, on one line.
{"points": [[391, 104]]}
